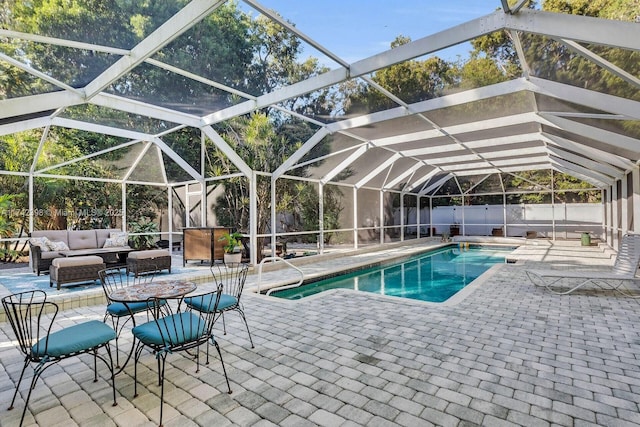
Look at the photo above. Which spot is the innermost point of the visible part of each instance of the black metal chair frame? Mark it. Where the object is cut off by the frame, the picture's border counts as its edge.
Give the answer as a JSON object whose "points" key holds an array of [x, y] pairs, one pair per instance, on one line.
{"points": [[32, 317], [112, 279], [172, 331], [233, 277]]}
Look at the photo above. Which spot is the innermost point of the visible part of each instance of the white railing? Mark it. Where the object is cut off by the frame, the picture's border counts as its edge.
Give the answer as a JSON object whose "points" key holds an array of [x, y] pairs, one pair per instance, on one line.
{"points": [[278, 288]]}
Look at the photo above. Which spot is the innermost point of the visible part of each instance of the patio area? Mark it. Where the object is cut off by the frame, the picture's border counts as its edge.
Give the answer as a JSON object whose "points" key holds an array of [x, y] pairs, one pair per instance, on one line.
{"points": [[505, 353], [152, 119]]}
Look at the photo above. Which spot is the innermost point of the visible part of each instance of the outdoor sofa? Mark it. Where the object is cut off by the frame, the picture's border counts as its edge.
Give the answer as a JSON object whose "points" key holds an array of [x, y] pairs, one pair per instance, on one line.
{"points": [[47, 245]]}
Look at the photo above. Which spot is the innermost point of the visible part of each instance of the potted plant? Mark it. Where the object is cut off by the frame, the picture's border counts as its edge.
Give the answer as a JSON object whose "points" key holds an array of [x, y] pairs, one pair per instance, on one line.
{"points": [[232, 247], [145, 233]]}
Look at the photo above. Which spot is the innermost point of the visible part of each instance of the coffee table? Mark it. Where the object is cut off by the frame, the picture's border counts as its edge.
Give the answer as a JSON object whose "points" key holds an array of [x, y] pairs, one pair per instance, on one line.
{"points": [[111, 256]]}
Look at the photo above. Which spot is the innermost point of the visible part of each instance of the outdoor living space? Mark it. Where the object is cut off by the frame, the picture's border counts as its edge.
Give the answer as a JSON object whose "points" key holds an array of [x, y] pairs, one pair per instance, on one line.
{"points": [[486, 148], [508, 353]]}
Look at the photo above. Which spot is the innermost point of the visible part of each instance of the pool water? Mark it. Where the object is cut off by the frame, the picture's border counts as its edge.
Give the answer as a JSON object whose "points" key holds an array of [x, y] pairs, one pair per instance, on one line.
{"points": [[434, 276]]}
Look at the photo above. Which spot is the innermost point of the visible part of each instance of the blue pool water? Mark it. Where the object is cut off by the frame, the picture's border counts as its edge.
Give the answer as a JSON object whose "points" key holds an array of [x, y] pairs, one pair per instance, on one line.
{"points": [[434, 276]]}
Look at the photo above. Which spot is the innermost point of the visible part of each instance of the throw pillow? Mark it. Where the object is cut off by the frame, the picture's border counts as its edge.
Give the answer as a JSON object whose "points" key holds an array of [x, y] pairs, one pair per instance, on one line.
{"points": [[119, 239], [41, 242], [57, 245], [110, 243]]}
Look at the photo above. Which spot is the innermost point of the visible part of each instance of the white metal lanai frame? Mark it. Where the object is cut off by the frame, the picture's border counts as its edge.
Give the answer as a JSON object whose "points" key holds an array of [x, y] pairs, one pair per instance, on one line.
{"points": [[604, 165]]}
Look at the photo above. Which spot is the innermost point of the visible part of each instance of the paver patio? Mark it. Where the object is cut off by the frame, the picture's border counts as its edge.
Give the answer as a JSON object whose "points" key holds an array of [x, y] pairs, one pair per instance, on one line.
{"points": [[508, 354]]}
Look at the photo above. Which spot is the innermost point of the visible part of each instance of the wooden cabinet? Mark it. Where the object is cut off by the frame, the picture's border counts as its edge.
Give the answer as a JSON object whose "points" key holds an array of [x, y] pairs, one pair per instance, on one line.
{"points": [[202, 244]]}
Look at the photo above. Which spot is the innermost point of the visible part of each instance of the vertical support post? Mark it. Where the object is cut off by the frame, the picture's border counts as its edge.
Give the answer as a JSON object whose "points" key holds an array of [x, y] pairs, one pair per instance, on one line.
{"points": [[203, 204], [553, 210], [603, 203], [355, 218], [203, 184], [431, 216], [523, 211], [504, 214], [170, 217], [381, 207], [609, 210], [462, 216], [418, 216], [624, 219], [614, 214], [187, 206], [402, 219], [564, 218], [253, 217], [124, 206], [30, 204], [274, 222], [487, 227], [635, 199], [321, 217]]}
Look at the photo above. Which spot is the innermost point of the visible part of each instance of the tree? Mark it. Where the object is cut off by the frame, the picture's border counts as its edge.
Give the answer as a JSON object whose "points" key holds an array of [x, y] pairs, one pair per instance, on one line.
{"points": [[217, 48], [555, 61], [102, 23], [254, 139], [482, 71], [411, 81], [306, 204], [567, 189]]}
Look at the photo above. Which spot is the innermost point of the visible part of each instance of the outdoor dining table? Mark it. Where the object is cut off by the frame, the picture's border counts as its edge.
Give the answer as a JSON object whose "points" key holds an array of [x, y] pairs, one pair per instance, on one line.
{"points": [[145, 292], [164, 289]]}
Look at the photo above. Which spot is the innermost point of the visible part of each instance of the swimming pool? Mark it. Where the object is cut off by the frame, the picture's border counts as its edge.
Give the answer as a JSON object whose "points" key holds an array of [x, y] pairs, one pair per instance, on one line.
{"points": [[434, 276]]}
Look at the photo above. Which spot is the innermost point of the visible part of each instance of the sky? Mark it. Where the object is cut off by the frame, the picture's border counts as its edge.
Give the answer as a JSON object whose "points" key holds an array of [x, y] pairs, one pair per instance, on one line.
{"points": [[357, 29]]}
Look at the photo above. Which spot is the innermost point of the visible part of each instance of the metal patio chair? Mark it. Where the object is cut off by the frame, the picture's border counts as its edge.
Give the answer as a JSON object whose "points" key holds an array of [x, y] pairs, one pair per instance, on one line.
{"points": [[32, 318], [113, 279], [232, 277], [177, 331]]}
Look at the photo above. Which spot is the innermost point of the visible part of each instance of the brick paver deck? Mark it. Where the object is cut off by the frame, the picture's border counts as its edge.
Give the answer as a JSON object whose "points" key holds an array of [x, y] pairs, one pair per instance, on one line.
{"points": [[509, 354]]}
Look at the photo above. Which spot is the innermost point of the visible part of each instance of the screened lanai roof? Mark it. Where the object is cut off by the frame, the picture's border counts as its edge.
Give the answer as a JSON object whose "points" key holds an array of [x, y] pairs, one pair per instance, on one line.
{"points": [[585, 124]]}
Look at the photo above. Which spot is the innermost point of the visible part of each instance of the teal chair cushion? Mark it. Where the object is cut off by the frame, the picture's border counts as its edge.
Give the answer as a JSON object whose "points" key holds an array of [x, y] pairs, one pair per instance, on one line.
{"points": [[176, 329], [119, 309], [74, 339], [227, 301], [205, 304]]}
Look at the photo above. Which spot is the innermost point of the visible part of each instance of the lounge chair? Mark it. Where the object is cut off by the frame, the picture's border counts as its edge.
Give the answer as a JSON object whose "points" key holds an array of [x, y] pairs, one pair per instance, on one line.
{"points": [[624, 269]]}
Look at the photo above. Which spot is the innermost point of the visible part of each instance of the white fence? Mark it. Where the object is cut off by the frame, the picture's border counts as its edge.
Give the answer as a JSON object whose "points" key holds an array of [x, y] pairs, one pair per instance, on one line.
{"points": [[568, 219]]}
